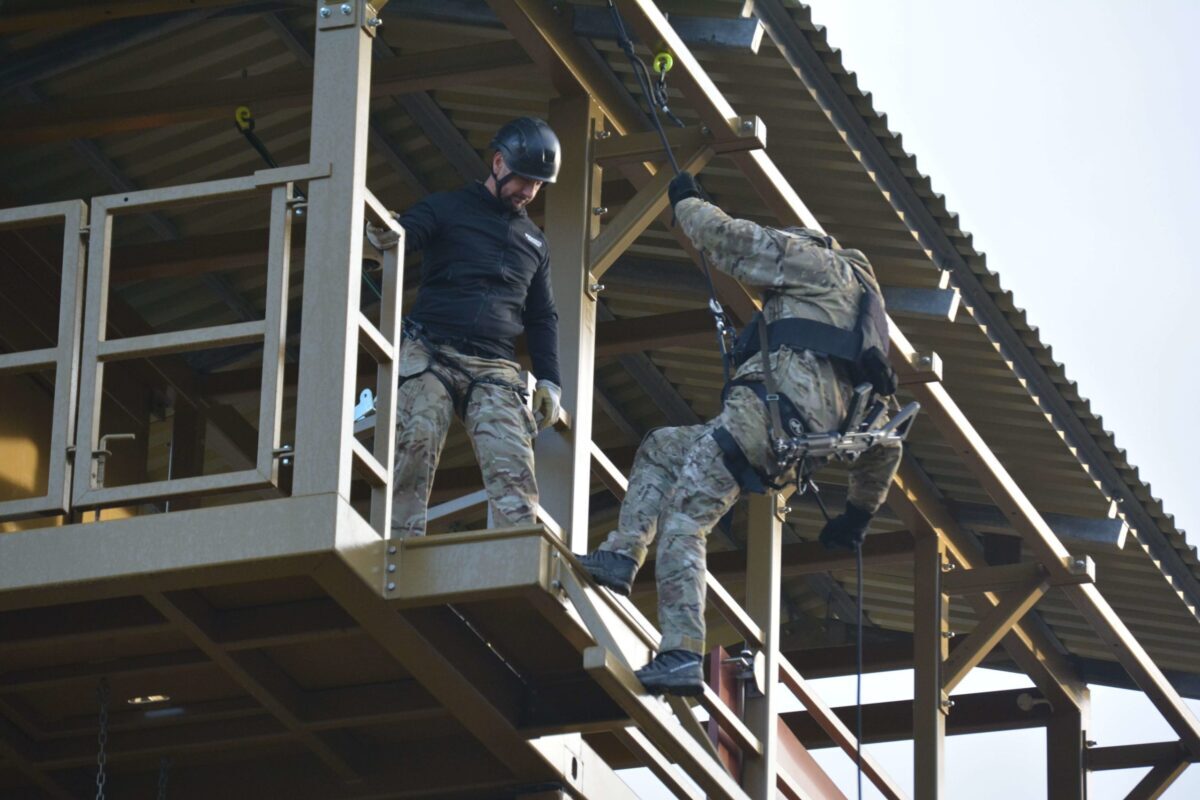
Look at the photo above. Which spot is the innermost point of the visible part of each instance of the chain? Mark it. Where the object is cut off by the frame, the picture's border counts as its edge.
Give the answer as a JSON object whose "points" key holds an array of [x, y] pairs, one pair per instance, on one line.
{"points": [[164, 768], [102, 695]]}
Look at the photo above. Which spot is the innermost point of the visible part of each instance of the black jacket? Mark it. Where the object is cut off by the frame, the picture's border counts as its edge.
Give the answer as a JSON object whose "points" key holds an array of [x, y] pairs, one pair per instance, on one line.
{"points": [[485, 277]]}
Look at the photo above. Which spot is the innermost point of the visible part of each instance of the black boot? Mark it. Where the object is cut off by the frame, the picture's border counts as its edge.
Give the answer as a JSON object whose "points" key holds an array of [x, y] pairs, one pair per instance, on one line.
{"points": [[611, 569], [678, 672]]}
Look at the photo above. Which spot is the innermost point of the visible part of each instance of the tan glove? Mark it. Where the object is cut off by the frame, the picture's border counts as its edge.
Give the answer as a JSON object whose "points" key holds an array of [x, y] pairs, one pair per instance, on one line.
{"points": [[381, 236], [547, 401]]}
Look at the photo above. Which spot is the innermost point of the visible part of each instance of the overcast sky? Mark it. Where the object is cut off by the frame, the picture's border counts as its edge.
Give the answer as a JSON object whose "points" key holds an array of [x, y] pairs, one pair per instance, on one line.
{"points": [[1064, 132]]}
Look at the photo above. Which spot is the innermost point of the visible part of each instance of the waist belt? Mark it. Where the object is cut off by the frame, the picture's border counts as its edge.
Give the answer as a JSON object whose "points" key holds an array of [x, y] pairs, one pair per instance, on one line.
{"points": [[801, 334], [415, 331]]}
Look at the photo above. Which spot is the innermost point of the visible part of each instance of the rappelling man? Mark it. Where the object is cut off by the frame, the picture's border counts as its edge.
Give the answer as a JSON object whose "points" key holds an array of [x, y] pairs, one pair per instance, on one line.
{"points": [[824, 334]]}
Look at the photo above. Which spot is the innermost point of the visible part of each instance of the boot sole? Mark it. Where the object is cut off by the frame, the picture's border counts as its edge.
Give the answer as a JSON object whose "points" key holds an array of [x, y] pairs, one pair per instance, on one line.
{"points": [[620, 587]]}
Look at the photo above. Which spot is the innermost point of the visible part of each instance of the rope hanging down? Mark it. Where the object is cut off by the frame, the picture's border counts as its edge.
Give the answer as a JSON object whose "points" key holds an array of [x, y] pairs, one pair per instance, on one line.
{"points": [[655, 93]]}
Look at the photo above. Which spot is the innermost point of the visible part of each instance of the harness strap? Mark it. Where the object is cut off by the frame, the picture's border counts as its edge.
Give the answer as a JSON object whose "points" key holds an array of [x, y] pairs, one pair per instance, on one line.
{"points": [[804, 334], [459, 402], [747, 477], [778, 435]]}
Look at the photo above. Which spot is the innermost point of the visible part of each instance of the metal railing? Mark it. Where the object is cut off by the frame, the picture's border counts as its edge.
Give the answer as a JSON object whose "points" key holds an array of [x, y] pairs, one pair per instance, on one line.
{"points": [[98, 351], [383, 344], [63, 357]]}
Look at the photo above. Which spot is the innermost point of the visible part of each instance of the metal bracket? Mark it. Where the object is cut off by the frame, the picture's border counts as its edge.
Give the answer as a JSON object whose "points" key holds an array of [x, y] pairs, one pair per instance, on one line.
{"points": [[332, 14], [100, 456], [592, 286], [751, 671]]}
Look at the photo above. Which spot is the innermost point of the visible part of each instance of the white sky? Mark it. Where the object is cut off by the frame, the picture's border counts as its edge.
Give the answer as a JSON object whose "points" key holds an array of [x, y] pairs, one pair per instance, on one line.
{"points": [[1064, 134]]}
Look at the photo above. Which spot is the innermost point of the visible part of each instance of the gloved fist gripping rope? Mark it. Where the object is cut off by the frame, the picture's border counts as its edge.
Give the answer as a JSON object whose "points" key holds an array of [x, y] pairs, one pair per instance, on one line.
{"points": [[682, 186], [847, 530]]}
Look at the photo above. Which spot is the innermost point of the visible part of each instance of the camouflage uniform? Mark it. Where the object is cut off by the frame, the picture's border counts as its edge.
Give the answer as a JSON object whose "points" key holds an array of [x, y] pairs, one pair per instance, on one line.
{"points": [[679, 486], [499, 424]]}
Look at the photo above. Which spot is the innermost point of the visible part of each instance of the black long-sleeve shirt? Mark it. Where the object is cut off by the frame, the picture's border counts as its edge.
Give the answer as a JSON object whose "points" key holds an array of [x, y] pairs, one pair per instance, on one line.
{"points": [[485, 276]]}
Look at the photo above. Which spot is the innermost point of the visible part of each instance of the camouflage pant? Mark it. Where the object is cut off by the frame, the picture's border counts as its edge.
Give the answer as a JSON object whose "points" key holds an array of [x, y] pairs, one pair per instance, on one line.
{"points": [[678, 489], [500, 426]]}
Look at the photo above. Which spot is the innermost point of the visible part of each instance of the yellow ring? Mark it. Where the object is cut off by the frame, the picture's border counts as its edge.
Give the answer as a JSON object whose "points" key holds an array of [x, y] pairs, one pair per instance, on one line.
{"points": [[663, 62], [243, 117]]}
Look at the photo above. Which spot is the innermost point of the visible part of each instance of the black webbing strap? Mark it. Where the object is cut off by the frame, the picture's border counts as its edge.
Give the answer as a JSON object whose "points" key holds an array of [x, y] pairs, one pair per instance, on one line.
{"points": [[803, 334], [778, 433]]}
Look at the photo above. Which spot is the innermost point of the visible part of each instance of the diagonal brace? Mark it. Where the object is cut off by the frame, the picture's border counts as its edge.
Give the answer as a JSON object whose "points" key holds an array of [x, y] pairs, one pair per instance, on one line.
{"points": [[637, 214], [994, 627]]}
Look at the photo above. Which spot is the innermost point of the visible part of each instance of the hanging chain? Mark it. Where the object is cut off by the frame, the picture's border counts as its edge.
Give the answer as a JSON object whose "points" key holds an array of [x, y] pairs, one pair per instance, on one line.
{"points": [[102, 695], [164, 768]]}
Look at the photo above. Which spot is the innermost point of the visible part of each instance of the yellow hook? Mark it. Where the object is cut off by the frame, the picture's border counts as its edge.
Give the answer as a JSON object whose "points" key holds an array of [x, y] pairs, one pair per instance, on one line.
{"points": [[243, 118]]}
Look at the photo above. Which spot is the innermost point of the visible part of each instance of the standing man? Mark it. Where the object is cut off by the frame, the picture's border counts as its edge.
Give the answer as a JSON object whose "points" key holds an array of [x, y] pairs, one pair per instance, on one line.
{"points": [[685, 479], [485, 278]]}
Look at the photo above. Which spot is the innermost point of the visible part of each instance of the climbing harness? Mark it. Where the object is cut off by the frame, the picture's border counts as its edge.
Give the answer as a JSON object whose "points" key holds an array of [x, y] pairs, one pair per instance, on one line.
{"points": [[415, 331], [655, 93]]}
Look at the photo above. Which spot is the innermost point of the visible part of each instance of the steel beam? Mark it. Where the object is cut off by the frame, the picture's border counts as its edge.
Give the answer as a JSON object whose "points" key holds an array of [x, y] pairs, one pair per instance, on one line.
{"points": [[257, 675], [1066, 770], [380, 142], [478, 691], [637, 214], [834, 725], [991, 629], [121, 112], [333, 258], [563, 458], [975, 713], [1158, 780], [931, 611], [592, 23], [763, 546], [916, 501], [661, 729], [1133, 756], [92, 13]]}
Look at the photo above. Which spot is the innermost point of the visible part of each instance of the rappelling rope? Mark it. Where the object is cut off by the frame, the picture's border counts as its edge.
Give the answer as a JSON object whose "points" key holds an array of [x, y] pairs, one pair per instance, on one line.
{"points": [[656, 98]]}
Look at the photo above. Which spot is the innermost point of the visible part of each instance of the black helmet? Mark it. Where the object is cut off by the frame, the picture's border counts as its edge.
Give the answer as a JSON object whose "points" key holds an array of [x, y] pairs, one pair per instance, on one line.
{"points": [[530, 148]]}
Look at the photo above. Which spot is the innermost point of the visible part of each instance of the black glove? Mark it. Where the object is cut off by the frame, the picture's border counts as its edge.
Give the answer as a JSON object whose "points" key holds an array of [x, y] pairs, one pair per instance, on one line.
{"points": [[682, 187], [846, 530]]}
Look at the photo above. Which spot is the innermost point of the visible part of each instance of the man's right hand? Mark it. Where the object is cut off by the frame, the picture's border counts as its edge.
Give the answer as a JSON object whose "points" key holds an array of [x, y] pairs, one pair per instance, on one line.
{"points": [[682, 186], [381, 236]]}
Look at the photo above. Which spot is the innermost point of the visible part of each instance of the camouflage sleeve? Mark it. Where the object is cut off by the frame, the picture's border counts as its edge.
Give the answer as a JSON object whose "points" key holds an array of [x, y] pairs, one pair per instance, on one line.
{"points": [[871, 475], [754, 254]]}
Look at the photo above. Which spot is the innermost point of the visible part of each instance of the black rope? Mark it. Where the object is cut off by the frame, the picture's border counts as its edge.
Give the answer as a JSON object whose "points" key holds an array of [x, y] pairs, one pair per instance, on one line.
{"points": [[656, 99], [858, 715]]}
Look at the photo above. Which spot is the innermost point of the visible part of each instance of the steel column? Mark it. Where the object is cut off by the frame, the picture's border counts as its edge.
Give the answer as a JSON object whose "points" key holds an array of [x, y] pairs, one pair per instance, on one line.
{"points": [[333, 254], [930, 623], [1066, 766], [564, 457], [763, 570]]}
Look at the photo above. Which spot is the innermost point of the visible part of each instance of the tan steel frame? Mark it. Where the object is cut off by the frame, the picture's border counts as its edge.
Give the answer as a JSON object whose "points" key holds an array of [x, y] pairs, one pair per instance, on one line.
{"points": [[328, 455], [63, 357]]}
